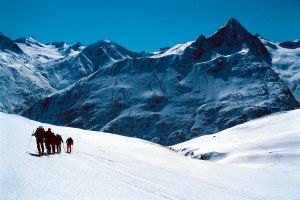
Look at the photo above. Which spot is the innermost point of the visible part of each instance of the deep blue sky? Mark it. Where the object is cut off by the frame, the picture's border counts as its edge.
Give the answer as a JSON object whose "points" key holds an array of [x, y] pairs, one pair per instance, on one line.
{"points": [[145, 24]]}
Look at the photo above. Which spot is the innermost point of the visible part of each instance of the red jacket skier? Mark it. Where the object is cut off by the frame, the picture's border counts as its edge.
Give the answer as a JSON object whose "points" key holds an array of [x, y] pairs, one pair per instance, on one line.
{"points": [[49, 142], [69, 144], [39, 135]]}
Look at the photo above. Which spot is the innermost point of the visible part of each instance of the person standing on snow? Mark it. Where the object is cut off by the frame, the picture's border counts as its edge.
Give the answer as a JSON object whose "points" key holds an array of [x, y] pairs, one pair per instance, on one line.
{"points": [[69, 144], [48, 140], [53, 142], [59, 140], [39, 135]]}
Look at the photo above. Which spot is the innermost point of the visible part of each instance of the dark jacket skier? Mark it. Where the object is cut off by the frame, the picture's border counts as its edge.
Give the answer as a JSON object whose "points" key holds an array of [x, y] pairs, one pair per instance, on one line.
{"points": [[48, 141], [59, 140], [39, 135], [69, 144], [53, 143]]}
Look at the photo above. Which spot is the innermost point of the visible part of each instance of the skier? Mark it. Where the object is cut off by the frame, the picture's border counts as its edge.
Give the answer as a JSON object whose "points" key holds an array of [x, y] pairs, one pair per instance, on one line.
{"points": [[59, 140], [69, 144], [48, 138], [39, 135], [53, 142]]}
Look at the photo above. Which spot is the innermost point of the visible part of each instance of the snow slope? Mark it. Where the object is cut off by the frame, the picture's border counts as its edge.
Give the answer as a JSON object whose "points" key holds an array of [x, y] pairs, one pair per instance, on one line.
{"points": [[106, 166], [177, 49], [25, 77], [271, 142], [286, 63], [43, 53], [64, 72], [21, 84]]}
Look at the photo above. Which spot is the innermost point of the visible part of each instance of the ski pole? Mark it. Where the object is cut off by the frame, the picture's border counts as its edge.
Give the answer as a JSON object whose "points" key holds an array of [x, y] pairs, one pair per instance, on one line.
{"points": [[29, 143]]}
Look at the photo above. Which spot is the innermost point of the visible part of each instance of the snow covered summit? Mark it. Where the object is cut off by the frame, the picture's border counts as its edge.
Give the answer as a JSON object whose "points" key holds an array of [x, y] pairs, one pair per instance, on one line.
{"points": [[25, 77]]}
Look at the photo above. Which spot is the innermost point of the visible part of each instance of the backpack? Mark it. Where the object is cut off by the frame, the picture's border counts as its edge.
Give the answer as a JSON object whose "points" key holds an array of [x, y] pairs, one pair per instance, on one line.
{"points": [[59, 139], [39, 133], [70, 141]]}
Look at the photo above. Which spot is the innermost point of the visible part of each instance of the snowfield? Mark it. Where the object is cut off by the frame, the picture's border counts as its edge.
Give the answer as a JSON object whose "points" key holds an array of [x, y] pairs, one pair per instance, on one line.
{"points": [[107, 166], [269, 143], [43, 53], [286, 63], [177, 49]]}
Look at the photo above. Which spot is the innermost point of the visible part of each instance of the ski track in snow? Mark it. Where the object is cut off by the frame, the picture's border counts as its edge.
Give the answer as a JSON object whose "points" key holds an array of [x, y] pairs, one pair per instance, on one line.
{"points": [[152, 188], [106, 166]]}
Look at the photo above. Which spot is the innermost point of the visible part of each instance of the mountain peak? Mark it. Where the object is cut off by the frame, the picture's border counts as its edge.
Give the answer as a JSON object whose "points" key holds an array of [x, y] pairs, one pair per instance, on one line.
{"points": [[229, 39], [77, 46], [29, 41], [232, 22], [232, 30], [8, 44], [26, 39], [105, 52], [60, 44], [105, 42], [290, 44], [232, 26]]}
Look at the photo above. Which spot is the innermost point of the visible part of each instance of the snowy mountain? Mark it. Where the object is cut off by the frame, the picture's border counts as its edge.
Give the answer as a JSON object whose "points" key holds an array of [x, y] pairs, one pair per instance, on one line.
{"points": [[228, 40], [268, 142], [43, 53], [24, 73], [21, 84], [286, 63], [107, 166], [197, 88], [69, 70]]}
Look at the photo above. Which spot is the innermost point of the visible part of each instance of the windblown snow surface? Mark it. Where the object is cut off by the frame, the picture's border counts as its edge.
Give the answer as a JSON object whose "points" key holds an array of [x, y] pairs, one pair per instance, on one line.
{"points": [[268, 143], [107, 166]]}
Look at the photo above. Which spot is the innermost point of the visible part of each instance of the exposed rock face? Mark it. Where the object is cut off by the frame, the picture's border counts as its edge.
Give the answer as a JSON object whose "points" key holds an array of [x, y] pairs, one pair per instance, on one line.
{"points": [[290, 44], [9, 45], [229, 39]]}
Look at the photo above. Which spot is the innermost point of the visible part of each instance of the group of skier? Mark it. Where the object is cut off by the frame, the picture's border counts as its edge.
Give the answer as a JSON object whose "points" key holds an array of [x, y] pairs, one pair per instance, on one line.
{"points": [[51, 141]]}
